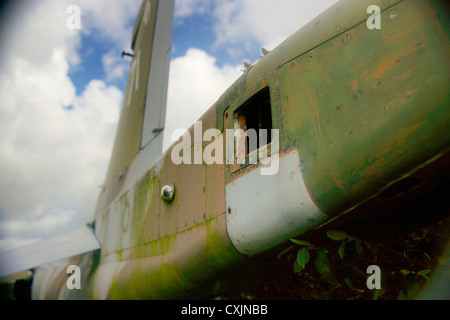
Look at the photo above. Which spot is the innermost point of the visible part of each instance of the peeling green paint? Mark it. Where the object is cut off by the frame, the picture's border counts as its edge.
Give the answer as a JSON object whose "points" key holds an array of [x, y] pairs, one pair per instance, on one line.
{"points": [[350, 146]]}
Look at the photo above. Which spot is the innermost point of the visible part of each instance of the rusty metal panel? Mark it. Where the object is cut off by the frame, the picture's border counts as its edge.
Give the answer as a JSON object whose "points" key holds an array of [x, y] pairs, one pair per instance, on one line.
{"points": [[369, 105], [189, 206]]}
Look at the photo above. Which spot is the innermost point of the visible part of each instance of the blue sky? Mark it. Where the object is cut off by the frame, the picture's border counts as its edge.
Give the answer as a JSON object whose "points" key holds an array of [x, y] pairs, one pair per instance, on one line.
{"points": [[62, 91], [191, 31], [91, 68]]}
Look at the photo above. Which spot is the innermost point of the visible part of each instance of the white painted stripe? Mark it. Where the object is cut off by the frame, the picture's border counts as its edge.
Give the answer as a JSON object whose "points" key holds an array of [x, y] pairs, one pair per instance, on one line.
{"points": [[267, 210]]}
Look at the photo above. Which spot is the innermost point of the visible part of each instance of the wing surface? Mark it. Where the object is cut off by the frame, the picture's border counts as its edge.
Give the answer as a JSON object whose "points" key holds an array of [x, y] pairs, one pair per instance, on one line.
{"points": [[62, 246]]}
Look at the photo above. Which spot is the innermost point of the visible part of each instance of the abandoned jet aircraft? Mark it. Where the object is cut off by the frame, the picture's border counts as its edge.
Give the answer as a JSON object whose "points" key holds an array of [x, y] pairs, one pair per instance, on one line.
{"points": [[346, 115]]}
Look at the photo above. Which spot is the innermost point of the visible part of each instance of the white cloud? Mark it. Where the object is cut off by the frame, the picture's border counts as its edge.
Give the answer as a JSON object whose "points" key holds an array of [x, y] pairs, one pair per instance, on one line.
{"points": [[55, 145], [244, 23], [243, 27], [111, 20], [34, 224], [115, 67], [195, 84], [184, 8], [33, 31], [53, 159]]}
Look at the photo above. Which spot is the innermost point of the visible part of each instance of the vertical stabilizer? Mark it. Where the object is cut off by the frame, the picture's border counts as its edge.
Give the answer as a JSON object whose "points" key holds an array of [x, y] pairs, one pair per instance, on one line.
{"points": [[139, 135]]}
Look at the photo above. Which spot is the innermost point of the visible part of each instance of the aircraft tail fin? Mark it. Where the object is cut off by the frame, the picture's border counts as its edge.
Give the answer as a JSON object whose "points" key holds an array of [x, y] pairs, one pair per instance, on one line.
{"points": [[139, 136]]}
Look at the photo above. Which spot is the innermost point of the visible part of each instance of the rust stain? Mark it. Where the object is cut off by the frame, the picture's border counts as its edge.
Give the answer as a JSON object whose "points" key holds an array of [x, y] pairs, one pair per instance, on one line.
{"points": [[394, 149], [407, 75], [383, 66], [354, 84], [292, 108], [332, 167], [390, 62], [337, 177], [313, 102]]}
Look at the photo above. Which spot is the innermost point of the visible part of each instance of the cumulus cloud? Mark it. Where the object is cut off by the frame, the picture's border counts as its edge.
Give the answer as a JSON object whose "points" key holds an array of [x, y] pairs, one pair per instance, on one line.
{"points": [[55, 145], [110, 20], [196, 82], [115, 67], [53, 159], [267, 23], [243, 27], [33, 30], [184, 8]]}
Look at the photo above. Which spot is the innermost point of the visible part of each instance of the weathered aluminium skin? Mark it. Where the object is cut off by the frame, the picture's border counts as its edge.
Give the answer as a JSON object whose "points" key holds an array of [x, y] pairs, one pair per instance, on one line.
{"points": [[361, 110]]}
